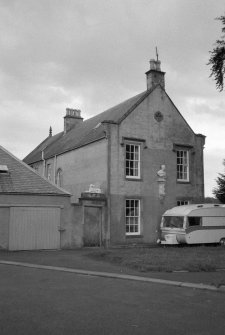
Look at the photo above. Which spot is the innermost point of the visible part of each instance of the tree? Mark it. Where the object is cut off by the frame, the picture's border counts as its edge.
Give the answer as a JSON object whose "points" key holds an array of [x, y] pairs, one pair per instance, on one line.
{"points": [[217, 59], [211, 200], [219, 192]]}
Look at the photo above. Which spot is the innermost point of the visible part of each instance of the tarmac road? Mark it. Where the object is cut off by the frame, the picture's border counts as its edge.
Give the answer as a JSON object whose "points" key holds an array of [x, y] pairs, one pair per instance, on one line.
{"points": [[37, 301], [77, 259]]}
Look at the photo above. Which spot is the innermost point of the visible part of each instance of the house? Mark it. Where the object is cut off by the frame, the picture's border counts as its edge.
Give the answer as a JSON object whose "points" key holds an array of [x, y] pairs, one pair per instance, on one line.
{"points": [[34, 213], [141, 155]]}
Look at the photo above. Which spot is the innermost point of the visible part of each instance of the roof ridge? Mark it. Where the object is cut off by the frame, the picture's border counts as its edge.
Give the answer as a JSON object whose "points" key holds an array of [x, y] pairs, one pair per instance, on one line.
{"points": [[83, 133]]}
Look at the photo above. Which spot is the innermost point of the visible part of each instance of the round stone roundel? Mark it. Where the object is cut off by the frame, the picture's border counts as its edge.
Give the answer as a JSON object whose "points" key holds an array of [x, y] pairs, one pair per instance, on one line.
{"points": [[158, 116]]}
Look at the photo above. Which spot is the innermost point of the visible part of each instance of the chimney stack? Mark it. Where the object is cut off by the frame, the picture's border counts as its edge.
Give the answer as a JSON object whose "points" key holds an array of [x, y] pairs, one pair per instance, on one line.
{"points": [[155, 76], [72, 119]]}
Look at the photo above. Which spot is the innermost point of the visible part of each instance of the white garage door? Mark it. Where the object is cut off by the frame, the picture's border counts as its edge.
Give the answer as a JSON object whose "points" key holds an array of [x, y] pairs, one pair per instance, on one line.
{"points": [[34, 228]]}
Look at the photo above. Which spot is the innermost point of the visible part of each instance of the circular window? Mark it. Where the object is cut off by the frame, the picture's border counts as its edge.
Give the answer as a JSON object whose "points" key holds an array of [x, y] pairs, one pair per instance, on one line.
{"points": [[158, 116]]}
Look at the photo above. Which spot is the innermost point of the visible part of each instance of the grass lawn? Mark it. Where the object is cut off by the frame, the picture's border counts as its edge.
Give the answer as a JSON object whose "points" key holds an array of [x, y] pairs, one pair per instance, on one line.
{"points": [[144, 259]]}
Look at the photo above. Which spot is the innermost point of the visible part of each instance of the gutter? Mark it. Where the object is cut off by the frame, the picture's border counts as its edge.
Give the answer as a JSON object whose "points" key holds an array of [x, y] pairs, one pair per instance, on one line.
{"points": [[37, 194]]}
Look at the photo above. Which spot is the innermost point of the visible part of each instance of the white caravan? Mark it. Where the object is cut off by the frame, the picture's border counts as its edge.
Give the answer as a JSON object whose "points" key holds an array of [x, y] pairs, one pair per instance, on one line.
{"points": [[193, 224]]}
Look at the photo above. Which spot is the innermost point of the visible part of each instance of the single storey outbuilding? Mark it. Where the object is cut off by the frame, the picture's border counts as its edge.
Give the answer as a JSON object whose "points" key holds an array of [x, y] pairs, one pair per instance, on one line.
{"points": [[34, 214]]}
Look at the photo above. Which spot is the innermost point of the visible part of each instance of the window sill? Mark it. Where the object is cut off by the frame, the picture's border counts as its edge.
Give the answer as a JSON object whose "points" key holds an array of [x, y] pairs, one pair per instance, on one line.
{"points": [[133, 179], [183, 182], [134, 236]]}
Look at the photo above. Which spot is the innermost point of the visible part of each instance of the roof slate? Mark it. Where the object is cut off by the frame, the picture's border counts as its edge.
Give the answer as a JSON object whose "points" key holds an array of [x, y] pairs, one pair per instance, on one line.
{"points": [[23, 179], [86, 132]]}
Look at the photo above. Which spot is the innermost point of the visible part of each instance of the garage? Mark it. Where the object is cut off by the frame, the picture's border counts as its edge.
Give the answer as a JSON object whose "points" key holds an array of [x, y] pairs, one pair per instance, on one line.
{"points": [[32, 228], [35, 214]]}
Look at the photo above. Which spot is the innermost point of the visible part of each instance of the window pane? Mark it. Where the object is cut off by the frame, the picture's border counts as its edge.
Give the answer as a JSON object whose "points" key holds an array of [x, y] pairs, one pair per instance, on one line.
{"points": [[59, 178], [182, 202], [137, 211], [136, 228], [132, 160], [131, 229], [194, 221], [132, 216], [127, 212], [182, 165], [173, 221]]}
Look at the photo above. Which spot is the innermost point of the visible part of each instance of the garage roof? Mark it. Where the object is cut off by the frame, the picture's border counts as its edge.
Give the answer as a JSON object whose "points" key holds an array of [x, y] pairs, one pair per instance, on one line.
{"points": [[21, 179]]}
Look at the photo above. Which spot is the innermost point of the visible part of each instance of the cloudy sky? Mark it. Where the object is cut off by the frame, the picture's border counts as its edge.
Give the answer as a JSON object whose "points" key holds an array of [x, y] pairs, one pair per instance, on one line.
{"points": [[93, 54]]}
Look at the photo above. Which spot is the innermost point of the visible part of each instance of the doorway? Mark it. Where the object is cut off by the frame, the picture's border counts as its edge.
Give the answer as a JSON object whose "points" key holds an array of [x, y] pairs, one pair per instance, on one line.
{"points": [[92, 226]]}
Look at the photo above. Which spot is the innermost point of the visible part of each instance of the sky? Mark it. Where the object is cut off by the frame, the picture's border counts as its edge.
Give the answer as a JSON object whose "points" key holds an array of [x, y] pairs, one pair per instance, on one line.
{"points": [[93, 54]]}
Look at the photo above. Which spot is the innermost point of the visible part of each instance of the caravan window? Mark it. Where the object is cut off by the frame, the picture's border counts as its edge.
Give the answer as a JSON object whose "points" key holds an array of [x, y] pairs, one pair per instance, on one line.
{"points": [[194, 221], [173, 221]]}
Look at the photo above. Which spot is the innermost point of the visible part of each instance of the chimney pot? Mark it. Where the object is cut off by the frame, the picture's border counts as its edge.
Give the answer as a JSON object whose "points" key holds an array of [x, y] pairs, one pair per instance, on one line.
{"points": [[72, 118], [73, 112], [152, 64], [158, 65], [155, 76]]}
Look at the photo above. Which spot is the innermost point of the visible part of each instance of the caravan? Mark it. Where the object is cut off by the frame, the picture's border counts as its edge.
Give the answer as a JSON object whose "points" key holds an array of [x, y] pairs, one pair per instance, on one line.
{"points": [[193, 224]]}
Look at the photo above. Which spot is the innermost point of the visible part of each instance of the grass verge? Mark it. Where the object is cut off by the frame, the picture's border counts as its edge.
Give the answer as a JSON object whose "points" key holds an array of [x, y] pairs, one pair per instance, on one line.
{"points": [[167, 259]]}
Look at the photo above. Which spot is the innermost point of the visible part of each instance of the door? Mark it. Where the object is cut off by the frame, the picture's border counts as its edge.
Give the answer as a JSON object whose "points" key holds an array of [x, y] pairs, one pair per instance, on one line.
{"points": [[92, 226], [33, 228]]}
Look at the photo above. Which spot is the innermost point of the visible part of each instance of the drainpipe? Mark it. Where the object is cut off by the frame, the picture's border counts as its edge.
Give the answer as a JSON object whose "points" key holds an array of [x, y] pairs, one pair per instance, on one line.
{"points": [[43, 159], [55, 161], [108, 186]]}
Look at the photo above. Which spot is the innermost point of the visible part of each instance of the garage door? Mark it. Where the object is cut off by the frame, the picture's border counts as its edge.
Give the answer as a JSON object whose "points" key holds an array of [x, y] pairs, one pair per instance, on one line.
{"points": [[33, 228]]}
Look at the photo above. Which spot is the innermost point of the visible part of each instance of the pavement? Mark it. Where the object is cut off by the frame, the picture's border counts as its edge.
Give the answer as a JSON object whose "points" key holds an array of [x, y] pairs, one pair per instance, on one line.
{"points": [[77, 261]]}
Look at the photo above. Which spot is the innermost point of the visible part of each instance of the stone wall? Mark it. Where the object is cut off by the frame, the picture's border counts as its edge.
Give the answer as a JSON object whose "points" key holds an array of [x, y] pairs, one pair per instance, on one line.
{"points": [[157, 139], [82, 167]]}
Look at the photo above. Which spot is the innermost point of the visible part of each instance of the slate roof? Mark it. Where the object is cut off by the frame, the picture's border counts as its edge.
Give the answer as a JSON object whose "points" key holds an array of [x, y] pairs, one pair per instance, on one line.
{"points": [[86, 132], [21, 179]]}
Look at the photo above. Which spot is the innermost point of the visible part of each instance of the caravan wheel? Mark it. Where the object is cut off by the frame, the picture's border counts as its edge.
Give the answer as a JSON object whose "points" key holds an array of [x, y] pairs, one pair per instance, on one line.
{"points": [[222, 241]]}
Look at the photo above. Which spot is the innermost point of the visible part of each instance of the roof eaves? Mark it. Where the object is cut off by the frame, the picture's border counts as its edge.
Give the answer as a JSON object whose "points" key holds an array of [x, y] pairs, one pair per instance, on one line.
{"points": [[33, 162], [63, 194], [36, 149], [40, 148], [201, 135]]}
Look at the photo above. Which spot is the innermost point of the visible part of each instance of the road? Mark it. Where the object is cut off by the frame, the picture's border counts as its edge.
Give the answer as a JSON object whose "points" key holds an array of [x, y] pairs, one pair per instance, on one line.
{"points": [[36, 301]]}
